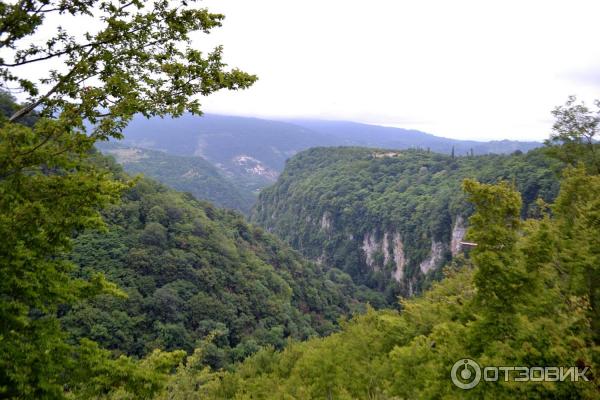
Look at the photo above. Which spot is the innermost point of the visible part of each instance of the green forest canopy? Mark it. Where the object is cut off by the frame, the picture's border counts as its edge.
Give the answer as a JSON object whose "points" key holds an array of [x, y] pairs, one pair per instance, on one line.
{"points": [[140, 57], [328, 201], [193, 271], [528, 294]]}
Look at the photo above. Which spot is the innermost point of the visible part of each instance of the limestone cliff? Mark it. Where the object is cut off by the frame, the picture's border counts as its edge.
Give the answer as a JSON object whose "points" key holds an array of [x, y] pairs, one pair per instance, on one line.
{"points": [[434, 258], [392, 249], [459, 229]]}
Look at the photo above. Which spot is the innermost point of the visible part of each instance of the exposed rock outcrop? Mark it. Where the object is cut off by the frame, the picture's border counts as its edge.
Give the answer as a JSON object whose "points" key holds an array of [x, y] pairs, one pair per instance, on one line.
{"points": [[127, 155], [191, 173], [399, 258], [392, 252], [458, 234], [326, 221], [370, 246], [253, 166], [385, 247], [435, 256], [386, 154]]}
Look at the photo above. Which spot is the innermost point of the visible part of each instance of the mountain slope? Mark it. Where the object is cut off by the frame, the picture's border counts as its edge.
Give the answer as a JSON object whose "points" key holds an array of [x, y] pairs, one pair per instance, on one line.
{"points": [[252, 152], [388, 218], [193, 272], [520, 300], [189, 174], [357, 134]]}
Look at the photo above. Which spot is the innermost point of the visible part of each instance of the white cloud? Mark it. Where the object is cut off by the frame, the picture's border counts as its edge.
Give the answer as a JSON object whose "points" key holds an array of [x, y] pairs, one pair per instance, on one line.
{"points": [[461, 68], [466, 69]]}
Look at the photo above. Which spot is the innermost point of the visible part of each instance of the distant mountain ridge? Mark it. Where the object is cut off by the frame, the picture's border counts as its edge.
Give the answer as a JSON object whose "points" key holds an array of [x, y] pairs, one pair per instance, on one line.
{"points": [[366, 135], [252, 152]]}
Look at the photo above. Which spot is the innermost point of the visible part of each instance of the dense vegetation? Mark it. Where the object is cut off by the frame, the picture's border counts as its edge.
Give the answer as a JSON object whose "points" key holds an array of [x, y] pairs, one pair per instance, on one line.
{"points": [[332, 203], [187, 174], [527, 295], [195, 276], [191, 271], [136, 58]]}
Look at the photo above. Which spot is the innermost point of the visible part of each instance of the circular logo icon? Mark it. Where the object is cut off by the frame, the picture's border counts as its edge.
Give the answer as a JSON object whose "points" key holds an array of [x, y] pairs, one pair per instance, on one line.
{"points": [[465, 374]]}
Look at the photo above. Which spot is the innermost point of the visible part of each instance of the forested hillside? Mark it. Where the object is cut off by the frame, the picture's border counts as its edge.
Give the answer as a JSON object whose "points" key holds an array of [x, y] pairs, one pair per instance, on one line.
{"points": [[120, 288], [192, 271], [528, 295], [253, 151], [389, 218], [187, 174]]}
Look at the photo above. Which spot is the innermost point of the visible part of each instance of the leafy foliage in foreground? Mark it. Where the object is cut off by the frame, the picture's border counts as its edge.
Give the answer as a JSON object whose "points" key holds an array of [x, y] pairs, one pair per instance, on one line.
{"points": [[137, 58], [192, 271], [528, 296], [50, 188], [328, 201]]}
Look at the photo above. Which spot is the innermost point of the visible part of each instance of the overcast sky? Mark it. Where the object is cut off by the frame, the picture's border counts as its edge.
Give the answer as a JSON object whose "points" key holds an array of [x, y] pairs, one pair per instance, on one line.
{"points": [[461, 69]]}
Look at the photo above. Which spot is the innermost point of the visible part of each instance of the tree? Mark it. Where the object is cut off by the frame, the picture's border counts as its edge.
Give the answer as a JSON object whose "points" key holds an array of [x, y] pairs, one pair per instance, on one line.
{"points": [[137, 58], [578, 216], [140, 60], [500, 277], [574, 136]]}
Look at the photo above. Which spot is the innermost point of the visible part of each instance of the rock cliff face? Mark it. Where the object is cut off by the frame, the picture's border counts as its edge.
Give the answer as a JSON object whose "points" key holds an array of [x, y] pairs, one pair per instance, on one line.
{"points": [[399, 258], [326, 221], [434, 258], [390, 247], [370, 247], [458, 234], [383, 251]]}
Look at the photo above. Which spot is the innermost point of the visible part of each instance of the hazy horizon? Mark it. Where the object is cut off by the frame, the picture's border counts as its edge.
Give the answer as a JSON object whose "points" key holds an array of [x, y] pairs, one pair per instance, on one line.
{"points": [[463, 70], [291, 120]]}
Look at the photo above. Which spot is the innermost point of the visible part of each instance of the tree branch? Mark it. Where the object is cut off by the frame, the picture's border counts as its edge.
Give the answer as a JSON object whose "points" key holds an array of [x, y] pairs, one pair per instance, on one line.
{"points": [[29, 108]]}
